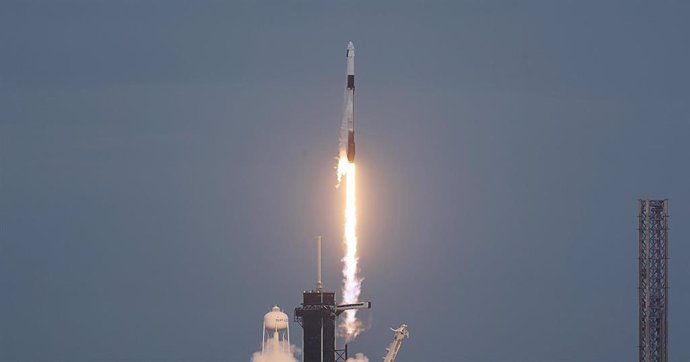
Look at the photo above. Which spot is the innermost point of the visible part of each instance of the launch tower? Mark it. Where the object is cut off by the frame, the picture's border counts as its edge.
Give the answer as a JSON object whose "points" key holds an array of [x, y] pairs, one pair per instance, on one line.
{"points": [[317, 315], [653, 280]]}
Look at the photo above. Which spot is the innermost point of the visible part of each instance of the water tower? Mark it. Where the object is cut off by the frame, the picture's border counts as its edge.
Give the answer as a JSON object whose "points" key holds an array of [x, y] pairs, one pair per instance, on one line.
{"points": [[276, 332]]}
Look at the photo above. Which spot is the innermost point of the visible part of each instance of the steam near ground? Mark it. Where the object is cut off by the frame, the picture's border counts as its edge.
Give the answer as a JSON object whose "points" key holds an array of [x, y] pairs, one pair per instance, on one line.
{"points": [[274, 351], [359, 357]]}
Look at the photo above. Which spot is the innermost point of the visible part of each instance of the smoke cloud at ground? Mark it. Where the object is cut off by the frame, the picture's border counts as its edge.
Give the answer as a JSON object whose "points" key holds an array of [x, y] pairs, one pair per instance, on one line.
{"points": [[274, 353], [359, 357]]}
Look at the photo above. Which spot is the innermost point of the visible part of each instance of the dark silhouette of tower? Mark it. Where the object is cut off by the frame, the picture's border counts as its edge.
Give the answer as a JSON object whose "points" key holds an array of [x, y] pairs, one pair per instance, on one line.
{"points": [[653, 280], [317, 316]]}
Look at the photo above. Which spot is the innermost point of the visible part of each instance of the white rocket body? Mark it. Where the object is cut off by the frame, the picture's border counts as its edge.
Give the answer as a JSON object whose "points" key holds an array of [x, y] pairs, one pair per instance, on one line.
{"points": [[349, 116]]}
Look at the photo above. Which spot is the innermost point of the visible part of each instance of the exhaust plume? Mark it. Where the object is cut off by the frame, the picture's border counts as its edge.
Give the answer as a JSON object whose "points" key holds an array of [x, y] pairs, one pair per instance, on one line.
{"points": [[351, 289]]}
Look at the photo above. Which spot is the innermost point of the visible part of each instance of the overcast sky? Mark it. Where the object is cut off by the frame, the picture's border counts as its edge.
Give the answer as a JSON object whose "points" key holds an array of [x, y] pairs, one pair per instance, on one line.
{"points": [[164, 166]]}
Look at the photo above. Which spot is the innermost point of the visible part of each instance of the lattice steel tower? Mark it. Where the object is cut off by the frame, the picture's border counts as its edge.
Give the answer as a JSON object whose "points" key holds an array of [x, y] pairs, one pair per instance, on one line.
{"points": [[653, 274]]}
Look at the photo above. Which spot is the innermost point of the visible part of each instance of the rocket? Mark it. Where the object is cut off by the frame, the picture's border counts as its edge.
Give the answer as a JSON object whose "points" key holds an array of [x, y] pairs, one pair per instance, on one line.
{"points": [[349, 117]]}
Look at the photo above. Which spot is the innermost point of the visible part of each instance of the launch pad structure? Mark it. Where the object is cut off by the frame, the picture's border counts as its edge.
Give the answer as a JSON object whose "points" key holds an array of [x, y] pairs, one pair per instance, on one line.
{"points": [[653, 280], [317, 315]]}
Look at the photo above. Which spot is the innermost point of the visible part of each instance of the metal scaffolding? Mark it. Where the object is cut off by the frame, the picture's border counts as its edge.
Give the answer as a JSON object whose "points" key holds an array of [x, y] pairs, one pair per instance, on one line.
{"points": [[653, 280]]}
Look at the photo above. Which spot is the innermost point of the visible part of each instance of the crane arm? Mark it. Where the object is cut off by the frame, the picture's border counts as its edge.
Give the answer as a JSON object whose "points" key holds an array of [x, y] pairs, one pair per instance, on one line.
{"points": [[392, 350]]}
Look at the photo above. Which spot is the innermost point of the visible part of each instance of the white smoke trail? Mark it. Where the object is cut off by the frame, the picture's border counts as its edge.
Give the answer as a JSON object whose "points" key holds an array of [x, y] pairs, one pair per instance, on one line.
{"points": [[352, 283], [350, 327], [274, 351]]}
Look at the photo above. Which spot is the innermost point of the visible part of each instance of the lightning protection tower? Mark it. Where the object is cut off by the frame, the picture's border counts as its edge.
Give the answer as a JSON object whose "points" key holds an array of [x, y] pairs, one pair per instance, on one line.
{"points": [[653, 280]]}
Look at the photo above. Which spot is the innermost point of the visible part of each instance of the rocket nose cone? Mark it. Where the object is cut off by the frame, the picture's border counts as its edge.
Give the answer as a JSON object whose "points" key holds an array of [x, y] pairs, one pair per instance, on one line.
{"points": [[350, 45]]}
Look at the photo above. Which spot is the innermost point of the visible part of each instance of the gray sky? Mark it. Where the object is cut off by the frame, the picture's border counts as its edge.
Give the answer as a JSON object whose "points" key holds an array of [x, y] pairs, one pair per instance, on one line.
{"points": [[165, 164]]}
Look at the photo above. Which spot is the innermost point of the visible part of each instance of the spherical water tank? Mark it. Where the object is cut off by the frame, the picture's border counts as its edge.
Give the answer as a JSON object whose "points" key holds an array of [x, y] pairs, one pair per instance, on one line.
{"points": [[275, 319]]}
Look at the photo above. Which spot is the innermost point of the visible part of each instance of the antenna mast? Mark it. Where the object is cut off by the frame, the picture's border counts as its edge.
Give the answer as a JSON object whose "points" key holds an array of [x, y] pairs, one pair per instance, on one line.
{"points": [[319, 284]]}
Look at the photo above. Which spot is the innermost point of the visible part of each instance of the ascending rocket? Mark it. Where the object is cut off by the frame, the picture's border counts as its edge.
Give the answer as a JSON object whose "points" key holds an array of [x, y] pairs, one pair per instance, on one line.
{"points": [[349, 117]]}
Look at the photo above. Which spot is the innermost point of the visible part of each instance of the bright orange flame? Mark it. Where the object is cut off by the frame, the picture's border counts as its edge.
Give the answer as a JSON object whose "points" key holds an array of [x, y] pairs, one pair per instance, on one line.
{"points": [[351, 290]]}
